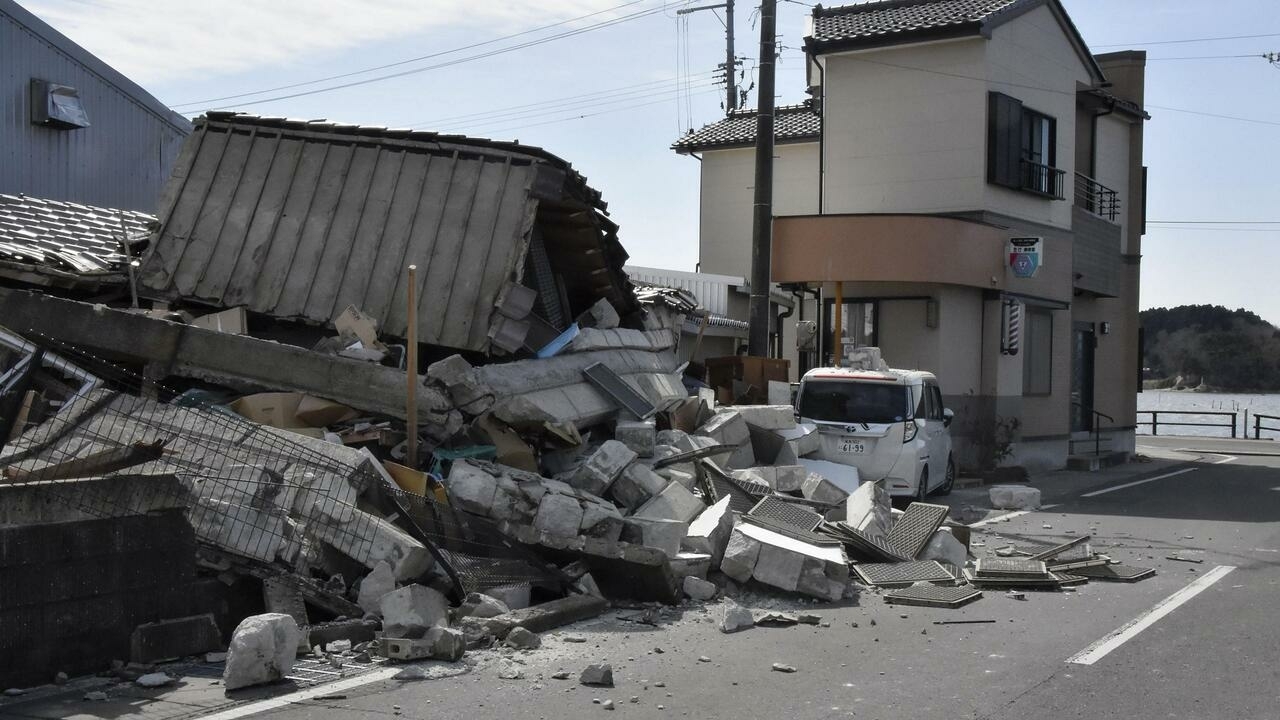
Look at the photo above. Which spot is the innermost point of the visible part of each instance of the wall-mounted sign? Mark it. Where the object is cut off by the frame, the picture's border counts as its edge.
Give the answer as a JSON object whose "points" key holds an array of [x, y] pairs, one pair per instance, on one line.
{"points": [[1026, 256]]}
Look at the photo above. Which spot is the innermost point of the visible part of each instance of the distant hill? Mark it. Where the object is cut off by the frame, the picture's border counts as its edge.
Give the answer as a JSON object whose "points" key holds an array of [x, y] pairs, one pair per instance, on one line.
{"points": [[1212, 347]]}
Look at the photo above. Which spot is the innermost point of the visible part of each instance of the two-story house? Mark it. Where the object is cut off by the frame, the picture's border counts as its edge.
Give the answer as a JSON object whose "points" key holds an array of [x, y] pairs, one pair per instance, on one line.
{"points": [[967, 183]]}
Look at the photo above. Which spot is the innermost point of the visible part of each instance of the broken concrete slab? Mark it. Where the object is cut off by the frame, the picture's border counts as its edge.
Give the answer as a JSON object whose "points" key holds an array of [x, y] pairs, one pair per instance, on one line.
{"points": [[410, 611], [462, 385], [659, 533], [740, 555], [726, 427], [543, 617], [794, 565], [520, 638], [262, 650], [598, 675], [686, 478], [709, 532], [1014, 497], [637, 484], [174, 638], [869, 509], [673, 503], [480, 605], [471, 488], [370, 540], [743, 457], [690, 564], [559, 515], [735, 618], [768, 417], [638, 435], [842, 477], [601, 468], [944, 547], [380, 581], [819, 489]]}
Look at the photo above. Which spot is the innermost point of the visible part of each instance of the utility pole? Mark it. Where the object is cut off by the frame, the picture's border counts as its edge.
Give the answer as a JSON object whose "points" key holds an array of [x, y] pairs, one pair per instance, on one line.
{"points": [[730, 62], [762, 226]]}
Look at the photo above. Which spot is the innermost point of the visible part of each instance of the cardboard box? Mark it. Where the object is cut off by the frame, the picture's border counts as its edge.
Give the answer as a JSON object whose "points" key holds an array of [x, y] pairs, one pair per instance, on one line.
{"points": [[291, 410]]}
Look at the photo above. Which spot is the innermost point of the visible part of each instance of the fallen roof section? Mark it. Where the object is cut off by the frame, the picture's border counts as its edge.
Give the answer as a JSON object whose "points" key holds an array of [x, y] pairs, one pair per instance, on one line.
{"points": [[298, 220], [65, 244]]}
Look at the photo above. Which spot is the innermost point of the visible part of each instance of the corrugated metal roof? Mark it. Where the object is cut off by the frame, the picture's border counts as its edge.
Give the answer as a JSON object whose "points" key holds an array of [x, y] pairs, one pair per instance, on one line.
{"points": [[54, 238], [300, 219]]}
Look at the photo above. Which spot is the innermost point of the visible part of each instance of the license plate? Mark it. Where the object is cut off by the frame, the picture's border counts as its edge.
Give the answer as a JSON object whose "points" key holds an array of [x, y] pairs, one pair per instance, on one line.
{"points": [[850, 446]]}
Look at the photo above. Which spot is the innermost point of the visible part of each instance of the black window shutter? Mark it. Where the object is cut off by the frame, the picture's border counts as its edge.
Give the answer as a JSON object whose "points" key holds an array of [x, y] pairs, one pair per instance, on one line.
{"points": [[1004, 140]]}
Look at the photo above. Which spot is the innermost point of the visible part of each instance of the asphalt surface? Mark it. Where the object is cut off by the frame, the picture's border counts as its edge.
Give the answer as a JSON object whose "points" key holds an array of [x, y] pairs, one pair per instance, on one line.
{"points": [[1212, 657]]}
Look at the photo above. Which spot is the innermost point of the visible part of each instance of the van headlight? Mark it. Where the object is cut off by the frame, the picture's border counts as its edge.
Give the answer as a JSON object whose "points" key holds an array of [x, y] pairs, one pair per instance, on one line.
{"points": [[909, 430]]}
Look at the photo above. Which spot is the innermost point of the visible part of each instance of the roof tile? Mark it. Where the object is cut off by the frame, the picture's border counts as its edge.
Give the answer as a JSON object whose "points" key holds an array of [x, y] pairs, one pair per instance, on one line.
{"points": [[46, 231], [891, 18], [791, 123]]}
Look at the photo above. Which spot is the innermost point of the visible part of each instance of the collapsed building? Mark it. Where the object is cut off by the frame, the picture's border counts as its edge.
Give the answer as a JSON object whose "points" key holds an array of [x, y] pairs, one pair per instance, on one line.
{"points": [[220, 400]]}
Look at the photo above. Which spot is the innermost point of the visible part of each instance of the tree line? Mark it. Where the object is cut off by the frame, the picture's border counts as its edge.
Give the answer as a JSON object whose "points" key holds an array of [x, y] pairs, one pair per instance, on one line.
{"points": [[1229, 350]]}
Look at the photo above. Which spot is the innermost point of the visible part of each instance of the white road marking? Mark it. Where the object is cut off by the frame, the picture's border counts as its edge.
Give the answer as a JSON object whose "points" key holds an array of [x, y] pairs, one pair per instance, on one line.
{"points": [[1009, 516], [326, 689], [1129, 630], [1225, 458], [1104, 491]]}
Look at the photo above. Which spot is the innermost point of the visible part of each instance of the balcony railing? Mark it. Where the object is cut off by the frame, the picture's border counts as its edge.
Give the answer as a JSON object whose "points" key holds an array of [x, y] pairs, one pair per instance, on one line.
{"points": [[1042, 179], [1097, 198]]}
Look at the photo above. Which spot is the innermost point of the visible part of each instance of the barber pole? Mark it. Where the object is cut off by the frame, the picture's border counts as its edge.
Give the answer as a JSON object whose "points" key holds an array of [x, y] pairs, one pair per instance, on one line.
{"points": [[1010, 326]]}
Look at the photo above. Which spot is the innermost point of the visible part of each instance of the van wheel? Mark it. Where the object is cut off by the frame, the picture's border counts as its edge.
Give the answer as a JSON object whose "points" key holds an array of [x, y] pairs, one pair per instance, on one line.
{"points": [[922, 491], [950, 482]]}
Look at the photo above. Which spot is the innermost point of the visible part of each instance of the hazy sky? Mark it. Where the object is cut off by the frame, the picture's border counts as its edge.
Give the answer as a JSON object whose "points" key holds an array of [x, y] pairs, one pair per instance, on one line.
{"points": [[608, 100]]}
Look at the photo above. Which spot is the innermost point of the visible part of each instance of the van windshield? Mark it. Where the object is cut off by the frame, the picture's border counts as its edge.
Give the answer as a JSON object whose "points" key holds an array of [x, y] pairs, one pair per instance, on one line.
{"points": [[846, 401]]}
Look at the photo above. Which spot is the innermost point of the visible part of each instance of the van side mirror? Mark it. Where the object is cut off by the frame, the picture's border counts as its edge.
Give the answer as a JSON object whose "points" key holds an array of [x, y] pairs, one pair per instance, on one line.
{"points": [[947, 416]]}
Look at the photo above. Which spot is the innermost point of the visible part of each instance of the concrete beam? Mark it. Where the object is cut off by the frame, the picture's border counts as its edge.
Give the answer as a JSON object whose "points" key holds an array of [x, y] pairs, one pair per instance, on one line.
{"points": [[239, 361]]}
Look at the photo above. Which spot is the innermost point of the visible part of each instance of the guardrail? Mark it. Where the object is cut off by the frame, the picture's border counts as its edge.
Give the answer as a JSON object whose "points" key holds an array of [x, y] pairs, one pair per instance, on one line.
{"points": [[1156, 423], [1258, 427]]}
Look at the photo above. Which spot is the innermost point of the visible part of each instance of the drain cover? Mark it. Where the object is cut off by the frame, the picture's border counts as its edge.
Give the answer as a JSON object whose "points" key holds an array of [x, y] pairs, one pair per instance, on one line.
{"points": [[1069, 580], [1012, 581], [913, 530], [1057, 550], [863, 546], [903, 573], [933, 596], [1116, 573], [1010, 567], [791, 531], [1058, 564], [772, 507]]}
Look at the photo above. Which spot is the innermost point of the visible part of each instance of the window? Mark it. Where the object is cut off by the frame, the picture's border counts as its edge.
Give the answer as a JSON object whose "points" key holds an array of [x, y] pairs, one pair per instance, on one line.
{"points": [[1037, 352], [1021, 147], [853, 402]]}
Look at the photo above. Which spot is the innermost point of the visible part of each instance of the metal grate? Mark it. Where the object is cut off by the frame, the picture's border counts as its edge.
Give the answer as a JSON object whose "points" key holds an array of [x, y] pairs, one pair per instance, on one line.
{"points": [[1069, 580], [862, 545], [913, 530], [742, 495], [1012, 581], [933, 596], [791, 531], [1010, 567], [1116, 573], [772, 507], [1057, 550], [1097, 561], [904, 573]]}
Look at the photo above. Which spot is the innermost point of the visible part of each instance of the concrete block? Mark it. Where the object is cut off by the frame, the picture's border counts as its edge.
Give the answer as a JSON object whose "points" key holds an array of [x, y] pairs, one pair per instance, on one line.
{"points": [[462, 385], [699, 589], [439, 643], [671, 437], [768, 417], [779, 393], [480, 605], [743, 457], [820, 489], [369, 539], [709, 532], [673, 503], [740, 556], [600, 519], [803, 438], [521, 639], [262, 650], [844, 477], [819, 579], [380, 581], [602, 315], [686, 564], [944, 547], [1014, 497], [665, 535], [601, 468], [559, 515], [779, 567], [789, 478], [686, 478], [637, 484], [515, 597], [638, 435], [869, 509], [734, 618], [726, 427], [168, 639], [599, 675], [471, 488], [410, 611], [789, 563]]}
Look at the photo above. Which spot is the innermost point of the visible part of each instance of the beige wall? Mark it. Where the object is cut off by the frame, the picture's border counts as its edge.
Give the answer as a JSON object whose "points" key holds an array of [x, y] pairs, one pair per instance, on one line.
{"points": [[1112, 163], [728, 195], [1023, 55]]}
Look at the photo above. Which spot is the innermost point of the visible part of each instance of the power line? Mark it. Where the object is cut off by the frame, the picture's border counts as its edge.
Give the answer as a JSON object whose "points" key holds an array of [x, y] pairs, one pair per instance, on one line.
{"points": [[1214, 222], [410, 60], [1216, 115], [714, 89], [1192, 40], [1207, 57], [458, 61]]}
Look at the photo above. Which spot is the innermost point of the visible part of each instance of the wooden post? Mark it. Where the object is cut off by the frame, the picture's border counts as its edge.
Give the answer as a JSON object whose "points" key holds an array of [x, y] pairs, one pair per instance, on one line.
{"points": [[697, 344], [411, 370], [837, 333]]}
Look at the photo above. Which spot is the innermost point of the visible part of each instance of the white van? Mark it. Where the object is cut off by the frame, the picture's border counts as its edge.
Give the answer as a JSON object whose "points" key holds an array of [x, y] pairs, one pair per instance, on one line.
{"points": [[890, 424]]}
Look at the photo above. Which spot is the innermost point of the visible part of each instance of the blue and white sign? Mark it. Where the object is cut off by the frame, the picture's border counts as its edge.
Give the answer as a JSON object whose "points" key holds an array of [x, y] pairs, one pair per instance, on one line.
{"points": [[1025, 256]]}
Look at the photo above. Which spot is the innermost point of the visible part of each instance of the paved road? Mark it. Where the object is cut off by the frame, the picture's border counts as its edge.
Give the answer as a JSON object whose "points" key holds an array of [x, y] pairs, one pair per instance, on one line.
{"points": [[1212, 657]]}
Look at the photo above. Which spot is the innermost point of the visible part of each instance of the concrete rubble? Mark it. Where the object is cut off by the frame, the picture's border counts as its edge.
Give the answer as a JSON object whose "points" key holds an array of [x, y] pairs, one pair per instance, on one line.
{"points": [[262, 650]]}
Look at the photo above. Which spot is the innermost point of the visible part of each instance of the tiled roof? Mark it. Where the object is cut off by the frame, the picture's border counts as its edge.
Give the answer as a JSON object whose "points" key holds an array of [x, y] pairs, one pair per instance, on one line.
{"points": [[891, 20], [56, 236], [792, 123]]}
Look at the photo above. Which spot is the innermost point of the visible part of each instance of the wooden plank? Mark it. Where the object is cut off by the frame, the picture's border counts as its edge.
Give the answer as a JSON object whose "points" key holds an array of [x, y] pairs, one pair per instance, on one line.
{"points": [[409, 193], [508, 247], [202, 243], [357, 271], [271, 274], [438, 264], [221, 264], [323, 293], [266, 217], [315, 233]]}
